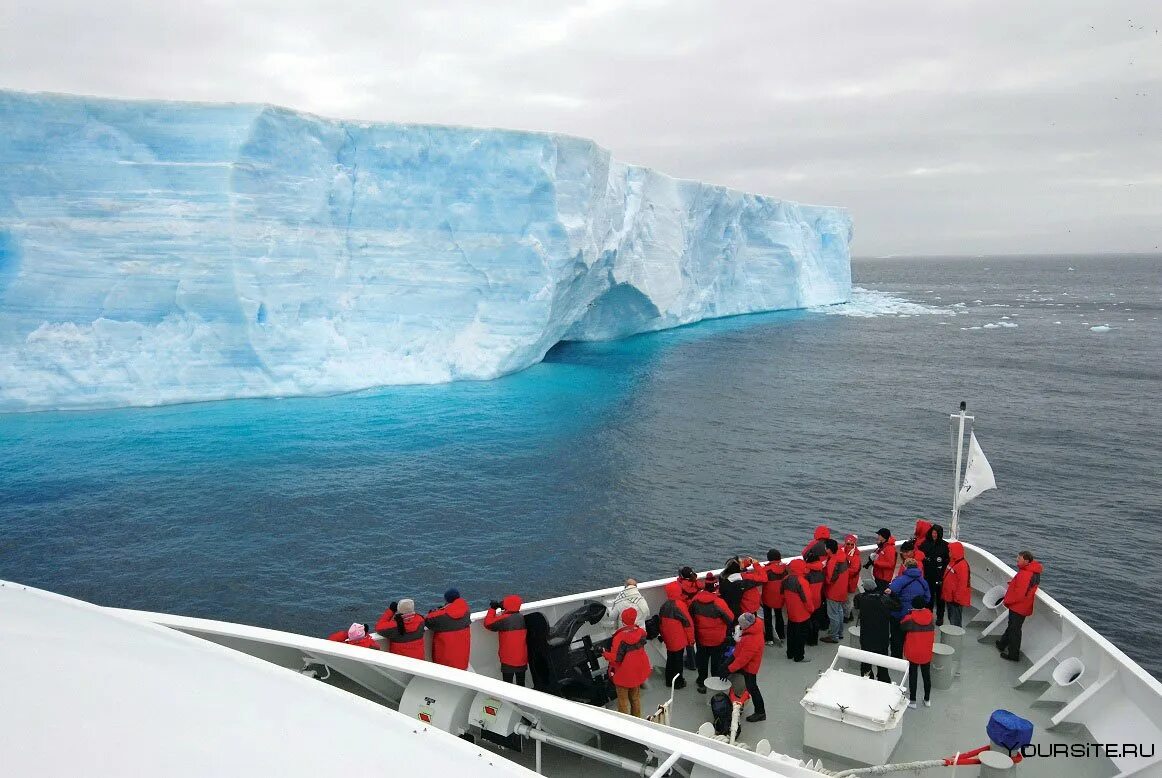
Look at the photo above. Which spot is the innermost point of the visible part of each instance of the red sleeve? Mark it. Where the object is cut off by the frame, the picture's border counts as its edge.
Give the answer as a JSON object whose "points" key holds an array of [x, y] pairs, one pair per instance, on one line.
{"points": [[386, 621], [685, 610], [743, 653], [726, 611]]}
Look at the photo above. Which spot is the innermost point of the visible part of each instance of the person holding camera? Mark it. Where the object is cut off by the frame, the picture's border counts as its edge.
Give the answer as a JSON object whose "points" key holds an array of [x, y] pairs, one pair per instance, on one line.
{"points": [[505, 619]]}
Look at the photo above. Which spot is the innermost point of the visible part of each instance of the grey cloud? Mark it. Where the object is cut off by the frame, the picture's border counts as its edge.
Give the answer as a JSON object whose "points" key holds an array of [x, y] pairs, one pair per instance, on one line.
{"points": [[957, 127]]}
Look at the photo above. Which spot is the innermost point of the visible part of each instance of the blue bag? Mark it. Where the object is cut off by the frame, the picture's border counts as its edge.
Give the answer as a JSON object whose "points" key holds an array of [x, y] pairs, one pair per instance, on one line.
{"points": [[1009, 730]]}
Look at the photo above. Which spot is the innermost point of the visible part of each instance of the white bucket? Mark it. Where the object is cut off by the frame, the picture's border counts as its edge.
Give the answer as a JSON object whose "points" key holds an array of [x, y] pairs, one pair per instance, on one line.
{"points": [[716, 684]]}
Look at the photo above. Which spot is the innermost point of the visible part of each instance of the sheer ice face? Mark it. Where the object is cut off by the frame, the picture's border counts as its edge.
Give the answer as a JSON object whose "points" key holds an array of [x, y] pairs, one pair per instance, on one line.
{"points": [[155, 252]]}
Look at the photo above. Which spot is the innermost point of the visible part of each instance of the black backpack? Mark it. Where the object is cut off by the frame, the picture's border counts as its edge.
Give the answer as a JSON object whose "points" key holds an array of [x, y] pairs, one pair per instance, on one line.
{"points": [[721, 712]]}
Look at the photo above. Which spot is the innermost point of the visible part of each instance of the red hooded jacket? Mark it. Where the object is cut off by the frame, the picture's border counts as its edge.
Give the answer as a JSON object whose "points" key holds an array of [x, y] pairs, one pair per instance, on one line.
{"points": [[748, 652], [629, 664], [917, 554], [1022, 591], [452, 634], [853, 567], [510, 629], [773, 588], [674, 620], [816, 575], [753, 578], [689, 588], [797, 593], [821, 533], [712, 618], [408, 641], [837, 579], [957, 586], [919, 635], [922, 527], [884, 566]]}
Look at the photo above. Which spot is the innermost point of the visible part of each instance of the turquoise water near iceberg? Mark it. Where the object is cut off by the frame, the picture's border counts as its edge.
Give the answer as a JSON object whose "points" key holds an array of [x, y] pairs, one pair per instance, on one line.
{"points": [[633, 457]]}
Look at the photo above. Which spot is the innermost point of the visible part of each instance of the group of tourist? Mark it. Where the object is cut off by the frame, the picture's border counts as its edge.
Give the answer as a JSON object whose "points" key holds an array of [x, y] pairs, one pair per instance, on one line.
{"points": [[717, 624]]}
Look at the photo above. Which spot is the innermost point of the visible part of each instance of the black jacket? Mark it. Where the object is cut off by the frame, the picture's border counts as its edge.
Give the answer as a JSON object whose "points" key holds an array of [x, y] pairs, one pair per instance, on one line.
{"points": [[873, 610], [731, 593], [935, 554]]}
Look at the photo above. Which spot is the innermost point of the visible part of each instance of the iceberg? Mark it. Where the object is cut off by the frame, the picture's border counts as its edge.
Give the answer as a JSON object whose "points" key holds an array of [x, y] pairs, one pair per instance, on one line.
{"points": [[158, 252]]}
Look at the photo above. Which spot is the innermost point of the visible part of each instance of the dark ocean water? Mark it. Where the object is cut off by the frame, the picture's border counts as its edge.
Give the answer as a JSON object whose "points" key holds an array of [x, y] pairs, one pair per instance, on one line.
{"points": [[634, 457]]}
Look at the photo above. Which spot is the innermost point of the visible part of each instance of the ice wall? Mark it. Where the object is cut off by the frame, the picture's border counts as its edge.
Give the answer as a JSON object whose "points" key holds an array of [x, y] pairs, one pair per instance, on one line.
{"points": [[156, 252]]}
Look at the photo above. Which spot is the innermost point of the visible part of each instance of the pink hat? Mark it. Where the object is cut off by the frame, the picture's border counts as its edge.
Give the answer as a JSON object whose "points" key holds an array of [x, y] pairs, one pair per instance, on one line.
{"points": [[356, 632]]}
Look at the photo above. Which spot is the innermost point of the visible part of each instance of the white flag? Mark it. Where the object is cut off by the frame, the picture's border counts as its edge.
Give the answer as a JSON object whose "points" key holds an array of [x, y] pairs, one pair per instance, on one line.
{"points": [[978, 474]]}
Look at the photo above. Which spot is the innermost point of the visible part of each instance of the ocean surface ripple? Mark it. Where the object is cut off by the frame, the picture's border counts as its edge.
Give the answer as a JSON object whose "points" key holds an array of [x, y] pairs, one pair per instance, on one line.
{"points": [[633, 457]]}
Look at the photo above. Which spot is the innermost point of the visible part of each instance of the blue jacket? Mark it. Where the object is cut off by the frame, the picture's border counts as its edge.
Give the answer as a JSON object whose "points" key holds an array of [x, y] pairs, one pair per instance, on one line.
{"points": [[907, 586]]}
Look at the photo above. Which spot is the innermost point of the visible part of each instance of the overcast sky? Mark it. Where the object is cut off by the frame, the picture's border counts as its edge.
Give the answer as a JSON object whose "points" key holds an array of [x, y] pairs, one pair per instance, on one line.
{"points": [[946, 127]]}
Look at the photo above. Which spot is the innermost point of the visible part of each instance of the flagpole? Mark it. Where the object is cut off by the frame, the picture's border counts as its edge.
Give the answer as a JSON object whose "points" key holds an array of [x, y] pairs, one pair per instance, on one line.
{"points": [[960, 417]]}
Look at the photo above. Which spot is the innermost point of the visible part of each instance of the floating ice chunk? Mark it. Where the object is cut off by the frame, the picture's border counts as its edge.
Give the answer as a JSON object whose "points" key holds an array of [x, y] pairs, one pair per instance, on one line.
{"points": [[1100, 328], [868, 303], [1008, 324], [1056, 322]]}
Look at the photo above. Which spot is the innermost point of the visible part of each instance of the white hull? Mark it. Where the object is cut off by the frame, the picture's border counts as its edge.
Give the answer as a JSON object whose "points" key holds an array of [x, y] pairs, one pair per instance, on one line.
{"points": [[1109, 700]]}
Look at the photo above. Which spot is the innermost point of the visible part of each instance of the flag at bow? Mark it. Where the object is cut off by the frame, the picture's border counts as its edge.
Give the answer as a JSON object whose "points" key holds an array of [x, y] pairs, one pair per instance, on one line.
{"points": [[978, 474]]}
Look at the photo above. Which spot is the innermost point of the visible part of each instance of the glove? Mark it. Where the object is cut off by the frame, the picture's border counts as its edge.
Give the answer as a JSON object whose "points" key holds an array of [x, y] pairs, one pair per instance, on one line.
{"points": [[736, 577], [494, 604], [393, 606], [873, 556], [690, 663], [724, 675]]}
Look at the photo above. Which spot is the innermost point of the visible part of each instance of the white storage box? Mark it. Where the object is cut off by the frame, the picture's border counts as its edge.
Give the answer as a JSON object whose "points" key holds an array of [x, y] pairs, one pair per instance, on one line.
{"points": [[852, 717]]}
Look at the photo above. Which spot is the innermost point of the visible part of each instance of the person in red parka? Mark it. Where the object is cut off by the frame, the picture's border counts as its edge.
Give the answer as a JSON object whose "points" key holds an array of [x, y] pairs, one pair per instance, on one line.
{"points": [[505, 619], [908, 550], [773, 597], [689, 582], [883, 559], [1019, 599], [816, 546], [835, 590], [919, 635], [754, 576], [851, 551], [403, 629], [748, 658], [355, 635], [922, 527], [800, 607], [816, 576], [712, 620], [629, 664], [451, 631], [677, 631], [956, 591]]}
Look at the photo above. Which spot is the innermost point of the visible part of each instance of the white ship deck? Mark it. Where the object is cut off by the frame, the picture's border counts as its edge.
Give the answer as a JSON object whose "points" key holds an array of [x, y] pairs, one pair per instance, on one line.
{"points": [[955, 722], [1109, 700]]}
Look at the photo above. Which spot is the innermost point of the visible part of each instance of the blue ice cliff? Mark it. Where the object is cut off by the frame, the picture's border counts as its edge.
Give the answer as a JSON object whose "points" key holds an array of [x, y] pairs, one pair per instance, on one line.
{"points": [[157, 252]]}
